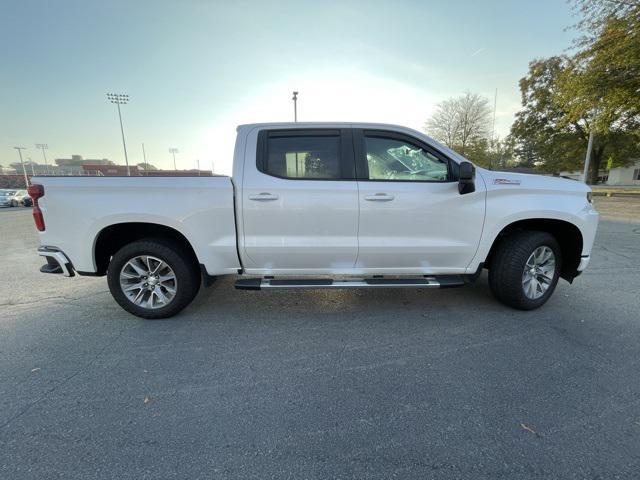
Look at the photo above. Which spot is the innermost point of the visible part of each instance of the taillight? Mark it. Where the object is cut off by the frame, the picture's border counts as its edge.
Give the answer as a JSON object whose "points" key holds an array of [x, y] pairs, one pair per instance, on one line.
{"points": [[36, 191]]}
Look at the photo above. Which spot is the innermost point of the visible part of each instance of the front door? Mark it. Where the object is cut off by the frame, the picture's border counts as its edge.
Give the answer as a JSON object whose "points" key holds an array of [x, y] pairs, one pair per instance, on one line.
{"points": [[300, 205], [412, 217]]}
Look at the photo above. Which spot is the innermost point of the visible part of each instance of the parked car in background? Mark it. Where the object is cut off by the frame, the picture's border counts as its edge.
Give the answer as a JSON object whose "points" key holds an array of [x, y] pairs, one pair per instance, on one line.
{"points": [[319, 205], [19, 197], [6, 198], [14, 198]]}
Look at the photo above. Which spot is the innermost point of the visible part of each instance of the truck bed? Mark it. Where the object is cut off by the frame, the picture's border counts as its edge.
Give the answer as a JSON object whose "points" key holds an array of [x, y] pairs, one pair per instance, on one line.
{"points": [[77, 209]]}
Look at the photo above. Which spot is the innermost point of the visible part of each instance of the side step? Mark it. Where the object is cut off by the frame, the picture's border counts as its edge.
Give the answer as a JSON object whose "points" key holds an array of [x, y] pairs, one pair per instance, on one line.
{"points": [[444, 281]]}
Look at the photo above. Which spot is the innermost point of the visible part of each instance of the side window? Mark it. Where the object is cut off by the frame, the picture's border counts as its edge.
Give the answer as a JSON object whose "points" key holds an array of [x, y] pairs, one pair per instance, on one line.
{"points": [[398, 160], [313, 157]]}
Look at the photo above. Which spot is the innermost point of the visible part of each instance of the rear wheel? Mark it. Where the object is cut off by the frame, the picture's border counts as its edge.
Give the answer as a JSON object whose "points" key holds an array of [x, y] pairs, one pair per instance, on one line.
{"points": [[153, 278], [524, 269]]}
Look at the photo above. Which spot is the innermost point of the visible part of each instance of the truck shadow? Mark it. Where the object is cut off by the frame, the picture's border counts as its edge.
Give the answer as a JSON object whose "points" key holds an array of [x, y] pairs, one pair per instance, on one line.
{"points": [[222, 300]]}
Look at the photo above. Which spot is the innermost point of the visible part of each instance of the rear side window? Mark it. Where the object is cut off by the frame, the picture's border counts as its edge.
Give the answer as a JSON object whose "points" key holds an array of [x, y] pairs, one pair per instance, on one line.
{"points": [[302, 155]]}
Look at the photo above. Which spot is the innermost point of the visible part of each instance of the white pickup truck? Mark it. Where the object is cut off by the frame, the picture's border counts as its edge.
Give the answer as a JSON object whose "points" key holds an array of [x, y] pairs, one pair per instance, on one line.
{"points": [[318, 205]]}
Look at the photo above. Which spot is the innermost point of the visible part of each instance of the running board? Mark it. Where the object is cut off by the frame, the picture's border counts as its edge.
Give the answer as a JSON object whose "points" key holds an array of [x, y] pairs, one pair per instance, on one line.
{"points": [[445, 281]]}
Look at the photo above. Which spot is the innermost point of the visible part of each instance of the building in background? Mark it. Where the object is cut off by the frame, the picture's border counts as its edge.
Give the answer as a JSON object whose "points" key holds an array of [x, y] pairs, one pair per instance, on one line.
{"points": [[75, 165], [108, 170], [617, 176], [625, 175]]}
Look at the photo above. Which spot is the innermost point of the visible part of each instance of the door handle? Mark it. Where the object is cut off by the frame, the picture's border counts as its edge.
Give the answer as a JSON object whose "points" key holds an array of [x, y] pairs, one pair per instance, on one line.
{"points": [[263, 197], [379, 197]]}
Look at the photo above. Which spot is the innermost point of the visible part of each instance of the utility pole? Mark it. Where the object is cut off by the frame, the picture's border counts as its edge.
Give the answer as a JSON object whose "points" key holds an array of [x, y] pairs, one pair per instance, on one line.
{"points": [[587, 160], [43, 147], [24, 171], [120, 99], [173, 152], [493, 125], [295, 106]]}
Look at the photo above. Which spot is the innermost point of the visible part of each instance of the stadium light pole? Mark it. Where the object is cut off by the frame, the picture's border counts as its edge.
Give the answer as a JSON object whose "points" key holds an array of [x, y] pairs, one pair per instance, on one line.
{"points": [[295, 106], [24, 171], [173, 152], [144, 154], [120, 99], [43, 147]]}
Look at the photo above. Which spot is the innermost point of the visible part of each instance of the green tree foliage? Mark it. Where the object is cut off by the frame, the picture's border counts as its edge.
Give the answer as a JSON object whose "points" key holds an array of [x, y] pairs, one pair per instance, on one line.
{"points": [[541, 135], [602, 80], [595, 90], [492, 154]]}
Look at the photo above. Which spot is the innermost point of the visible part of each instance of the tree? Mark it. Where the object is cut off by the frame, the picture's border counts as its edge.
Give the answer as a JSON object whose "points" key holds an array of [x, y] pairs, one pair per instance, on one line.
{"points": [[602, 80], [147, 166], [474, 116], [551, 133], [444, 125], [460, 122], [596, 13], [492, 154]]}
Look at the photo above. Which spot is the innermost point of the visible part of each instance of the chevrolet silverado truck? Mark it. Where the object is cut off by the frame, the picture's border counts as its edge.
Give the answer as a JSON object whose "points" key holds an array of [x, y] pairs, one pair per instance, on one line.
{"points": [[318, 205]]}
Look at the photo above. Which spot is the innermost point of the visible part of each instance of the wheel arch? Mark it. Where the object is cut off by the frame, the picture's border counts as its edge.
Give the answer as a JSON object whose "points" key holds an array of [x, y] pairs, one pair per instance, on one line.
{"points": [[567, 234], [113, 237]]}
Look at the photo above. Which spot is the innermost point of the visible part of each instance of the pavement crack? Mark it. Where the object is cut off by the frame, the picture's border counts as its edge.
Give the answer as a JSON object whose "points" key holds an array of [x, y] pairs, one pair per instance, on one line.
{"points": [[55, 297], [608, 250], [64, 381]]}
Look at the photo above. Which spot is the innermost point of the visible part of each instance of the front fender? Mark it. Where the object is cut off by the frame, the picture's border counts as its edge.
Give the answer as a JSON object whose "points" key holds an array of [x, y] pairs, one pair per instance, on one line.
{"points": [[506, 206]]}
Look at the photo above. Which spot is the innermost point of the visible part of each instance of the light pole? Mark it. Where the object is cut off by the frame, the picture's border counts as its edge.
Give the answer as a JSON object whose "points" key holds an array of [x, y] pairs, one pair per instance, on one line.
{"points": [[173, 152], [144, 154], [120, 99], [295, 106], [587, 159], [26, 179], [43, 147]]}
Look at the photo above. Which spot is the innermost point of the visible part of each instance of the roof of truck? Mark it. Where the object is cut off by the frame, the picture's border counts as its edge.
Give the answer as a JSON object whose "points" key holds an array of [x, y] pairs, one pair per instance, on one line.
{"points": [[321, 124]]}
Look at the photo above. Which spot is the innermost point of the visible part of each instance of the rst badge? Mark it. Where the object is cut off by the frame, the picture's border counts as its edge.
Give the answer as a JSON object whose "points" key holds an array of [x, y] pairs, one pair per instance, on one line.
{"points": [[505, 181]]}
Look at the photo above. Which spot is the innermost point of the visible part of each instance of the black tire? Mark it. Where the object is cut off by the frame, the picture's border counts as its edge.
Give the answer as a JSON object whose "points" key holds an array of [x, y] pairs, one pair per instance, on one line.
{"points": [[182, 263], [507, 266]]}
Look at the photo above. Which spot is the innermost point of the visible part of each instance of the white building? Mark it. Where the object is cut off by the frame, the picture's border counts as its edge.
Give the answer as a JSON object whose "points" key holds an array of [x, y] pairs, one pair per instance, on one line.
{"points": [[625, 175], [618, 176]]}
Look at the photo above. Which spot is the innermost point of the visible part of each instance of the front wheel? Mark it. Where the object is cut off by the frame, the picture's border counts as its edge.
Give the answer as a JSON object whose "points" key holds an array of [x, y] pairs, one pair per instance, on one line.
{"points": [[153, 278], [524, 269]]}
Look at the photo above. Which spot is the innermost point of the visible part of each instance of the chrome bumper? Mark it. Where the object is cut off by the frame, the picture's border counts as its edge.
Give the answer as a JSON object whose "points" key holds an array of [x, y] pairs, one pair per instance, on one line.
{"points": [[584, 262], [56, 256]]}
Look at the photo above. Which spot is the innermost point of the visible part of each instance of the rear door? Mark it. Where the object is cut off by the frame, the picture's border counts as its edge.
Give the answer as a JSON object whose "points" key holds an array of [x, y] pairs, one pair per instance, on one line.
{"points": [[300, 202], [412, 217]]}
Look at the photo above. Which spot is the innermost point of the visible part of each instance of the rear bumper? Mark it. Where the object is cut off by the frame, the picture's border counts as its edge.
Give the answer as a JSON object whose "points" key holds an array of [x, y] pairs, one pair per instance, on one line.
{"points": [[584, 263], [57, 261]]}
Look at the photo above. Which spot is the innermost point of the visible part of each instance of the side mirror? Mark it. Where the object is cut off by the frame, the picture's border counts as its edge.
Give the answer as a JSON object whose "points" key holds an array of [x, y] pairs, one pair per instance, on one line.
{"points": [[466, 182]]}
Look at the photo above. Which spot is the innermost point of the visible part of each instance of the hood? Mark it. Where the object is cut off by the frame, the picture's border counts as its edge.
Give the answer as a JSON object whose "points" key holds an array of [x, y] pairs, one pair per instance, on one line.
{"points": [[496, 180]]}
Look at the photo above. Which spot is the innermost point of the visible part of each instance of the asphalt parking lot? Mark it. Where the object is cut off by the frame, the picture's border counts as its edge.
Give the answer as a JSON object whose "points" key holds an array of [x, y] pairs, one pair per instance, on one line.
{"points": [[332, 384]]}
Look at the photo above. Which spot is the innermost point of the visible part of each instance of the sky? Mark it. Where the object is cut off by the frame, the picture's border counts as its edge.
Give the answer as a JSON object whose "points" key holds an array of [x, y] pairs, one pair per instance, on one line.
{"points": [[195, 69]]}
